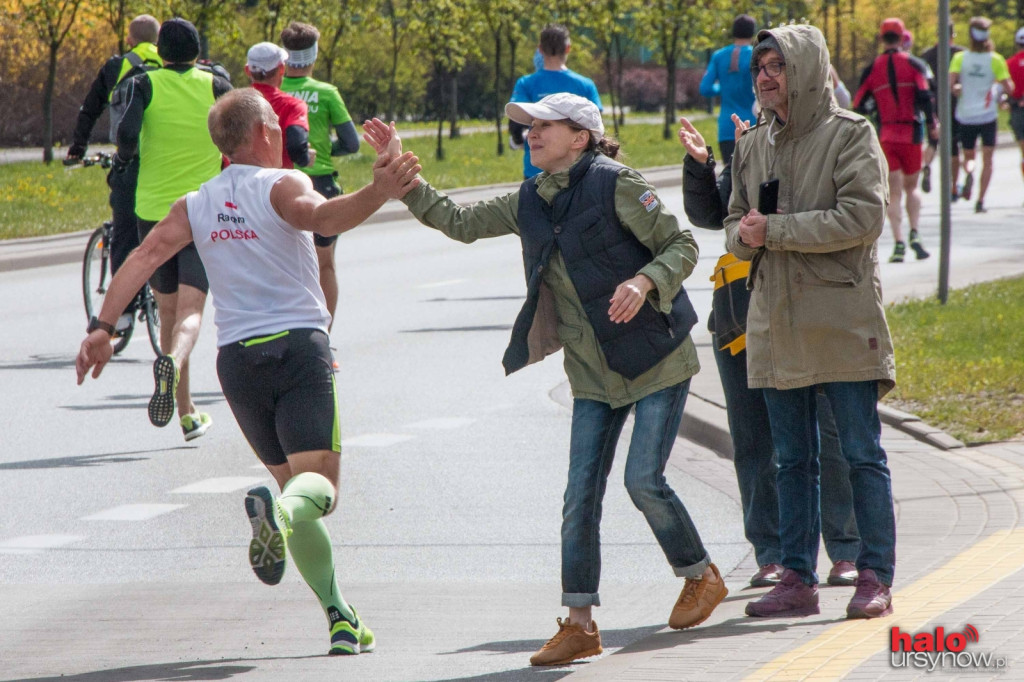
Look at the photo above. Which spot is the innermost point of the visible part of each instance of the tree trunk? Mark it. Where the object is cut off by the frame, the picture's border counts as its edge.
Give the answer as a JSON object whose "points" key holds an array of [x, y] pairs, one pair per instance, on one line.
{"points": [[453, 108], [497, 92], [670, 97], [393, 86], [619, 59], [439, 153], [611, 88], [51, 80]]}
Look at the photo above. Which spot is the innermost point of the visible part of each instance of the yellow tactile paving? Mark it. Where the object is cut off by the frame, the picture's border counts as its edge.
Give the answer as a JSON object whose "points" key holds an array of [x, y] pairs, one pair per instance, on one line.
{"points": [[845, 646]]}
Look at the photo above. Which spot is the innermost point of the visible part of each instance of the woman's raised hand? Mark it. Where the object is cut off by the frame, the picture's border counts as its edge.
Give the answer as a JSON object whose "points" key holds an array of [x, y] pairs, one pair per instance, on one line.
{"points": [[741, 126], [693, 141], [383, 138]]}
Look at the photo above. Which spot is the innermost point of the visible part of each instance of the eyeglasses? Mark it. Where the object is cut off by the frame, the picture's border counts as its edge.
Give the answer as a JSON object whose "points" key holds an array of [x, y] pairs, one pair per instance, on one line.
{"points": [[771, 69]]}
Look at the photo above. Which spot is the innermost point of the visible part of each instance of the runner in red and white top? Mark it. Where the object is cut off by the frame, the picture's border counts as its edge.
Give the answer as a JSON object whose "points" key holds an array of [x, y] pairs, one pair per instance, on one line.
{"points": [[264, 64]]}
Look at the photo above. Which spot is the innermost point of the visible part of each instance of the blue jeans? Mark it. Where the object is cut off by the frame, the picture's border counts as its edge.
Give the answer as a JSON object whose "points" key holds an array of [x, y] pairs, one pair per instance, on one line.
{"points": [[793, 415], [755, 462], [595, 432]]}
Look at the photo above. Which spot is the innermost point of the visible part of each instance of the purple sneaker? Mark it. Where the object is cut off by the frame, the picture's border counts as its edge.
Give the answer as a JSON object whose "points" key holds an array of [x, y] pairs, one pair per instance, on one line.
{"points": [[791, 597], [767, 575], [872, 599]]}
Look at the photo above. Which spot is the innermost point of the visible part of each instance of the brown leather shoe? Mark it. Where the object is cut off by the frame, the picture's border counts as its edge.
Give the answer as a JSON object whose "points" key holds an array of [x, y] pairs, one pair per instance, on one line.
{"points": [[843, 573], [569, 643], [697, 600]]}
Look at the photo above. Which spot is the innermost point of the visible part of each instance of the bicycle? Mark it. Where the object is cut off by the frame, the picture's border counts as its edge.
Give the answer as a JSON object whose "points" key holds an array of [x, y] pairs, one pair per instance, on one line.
{"points": [[96, 275]]}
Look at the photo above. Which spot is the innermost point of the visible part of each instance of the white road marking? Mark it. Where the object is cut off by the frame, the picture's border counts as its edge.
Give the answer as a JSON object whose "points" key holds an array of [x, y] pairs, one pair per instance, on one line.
{"points": [[30, 544], [441, 423], [132, 512], [445, 283], [224, 484], [375, 440]]}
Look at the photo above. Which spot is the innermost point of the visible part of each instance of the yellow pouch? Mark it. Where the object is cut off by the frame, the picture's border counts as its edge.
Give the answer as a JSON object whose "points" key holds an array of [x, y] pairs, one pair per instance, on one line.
{"points": [[729, 303]]}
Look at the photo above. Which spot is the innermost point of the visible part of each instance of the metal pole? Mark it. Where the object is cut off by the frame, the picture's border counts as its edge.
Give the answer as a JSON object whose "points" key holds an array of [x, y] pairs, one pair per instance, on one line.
{"points": [[945, 150]]}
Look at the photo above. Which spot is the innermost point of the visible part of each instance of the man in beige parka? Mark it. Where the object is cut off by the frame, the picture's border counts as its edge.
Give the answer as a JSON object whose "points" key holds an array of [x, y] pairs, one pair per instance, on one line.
{"points": [[816, 321]]}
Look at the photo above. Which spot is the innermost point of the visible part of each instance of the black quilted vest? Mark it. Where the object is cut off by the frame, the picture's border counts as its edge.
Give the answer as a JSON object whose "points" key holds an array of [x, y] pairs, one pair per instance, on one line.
{"points": [[599, 254]]}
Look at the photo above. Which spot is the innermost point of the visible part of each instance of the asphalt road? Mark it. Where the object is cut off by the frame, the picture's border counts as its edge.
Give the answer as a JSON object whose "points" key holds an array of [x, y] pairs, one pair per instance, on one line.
{"points": [[122, 546], [122, 550]]}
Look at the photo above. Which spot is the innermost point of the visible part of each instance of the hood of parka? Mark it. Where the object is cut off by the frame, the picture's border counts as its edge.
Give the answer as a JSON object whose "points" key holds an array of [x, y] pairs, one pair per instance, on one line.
{"points": [[807, 76]]}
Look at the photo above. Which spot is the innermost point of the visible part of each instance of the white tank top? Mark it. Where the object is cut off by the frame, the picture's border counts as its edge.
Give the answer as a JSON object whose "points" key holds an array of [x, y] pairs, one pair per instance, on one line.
{"points": [[263, 272]]}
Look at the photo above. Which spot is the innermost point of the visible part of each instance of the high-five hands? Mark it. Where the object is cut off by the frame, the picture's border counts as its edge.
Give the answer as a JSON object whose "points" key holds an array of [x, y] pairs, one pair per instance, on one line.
{"points": [[628, 298], [382, 137], [398, 176]]}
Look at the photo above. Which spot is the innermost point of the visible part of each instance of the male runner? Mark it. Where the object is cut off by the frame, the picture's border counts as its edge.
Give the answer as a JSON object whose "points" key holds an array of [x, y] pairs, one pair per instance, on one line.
{"points": [[898, 83], [326, 110], [165, 124], [274, 362]]}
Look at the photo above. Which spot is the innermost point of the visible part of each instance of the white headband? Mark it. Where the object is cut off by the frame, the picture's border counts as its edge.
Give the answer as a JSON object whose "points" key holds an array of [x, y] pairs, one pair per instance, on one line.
{"points": [[301, 58], [979, 34]]}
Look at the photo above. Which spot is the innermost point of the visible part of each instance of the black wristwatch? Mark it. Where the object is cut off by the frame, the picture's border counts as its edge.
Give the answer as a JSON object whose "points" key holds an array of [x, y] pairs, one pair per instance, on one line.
{"points": [[96, 323]]}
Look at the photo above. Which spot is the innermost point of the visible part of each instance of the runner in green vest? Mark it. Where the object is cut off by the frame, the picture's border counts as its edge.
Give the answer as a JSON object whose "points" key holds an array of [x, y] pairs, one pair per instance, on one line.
{"points": [[165, 123], [326, 110]]}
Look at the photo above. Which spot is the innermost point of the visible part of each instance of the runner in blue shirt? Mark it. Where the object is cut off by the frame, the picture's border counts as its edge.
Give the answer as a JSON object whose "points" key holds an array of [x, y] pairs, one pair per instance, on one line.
{"points": [[554, 77], [728, 77]]}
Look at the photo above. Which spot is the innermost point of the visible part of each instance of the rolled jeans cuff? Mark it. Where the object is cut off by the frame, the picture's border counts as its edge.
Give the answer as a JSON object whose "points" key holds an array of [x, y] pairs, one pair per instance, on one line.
{"points": [[580, 599], [693, 571]]}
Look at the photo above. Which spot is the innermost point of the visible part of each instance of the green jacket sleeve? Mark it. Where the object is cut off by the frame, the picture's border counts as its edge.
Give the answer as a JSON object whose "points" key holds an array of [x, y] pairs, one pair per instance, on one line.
{"points": [[491, 218], [674, 249]]}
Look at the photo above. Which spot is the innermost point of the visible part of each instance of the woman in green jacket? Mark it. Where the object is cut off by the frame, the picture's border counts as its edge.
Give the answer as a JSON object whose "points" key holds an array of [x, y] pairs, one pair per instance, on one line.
{"points": [[604, 264]]}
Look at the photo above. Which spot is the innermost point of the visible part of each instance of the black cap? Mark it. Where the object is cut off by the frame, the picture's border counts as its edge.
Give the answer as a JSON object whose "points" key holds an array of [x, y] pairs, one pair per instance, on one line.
{"points": [[178, 41], [744, 26]]}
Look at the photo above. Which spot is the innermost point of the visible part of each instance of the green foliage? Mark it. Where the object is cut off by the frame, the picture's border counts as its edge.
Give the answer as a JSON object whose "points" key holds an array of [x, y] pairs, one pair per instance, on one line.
{"points": [[960, 366], [37, 200]]}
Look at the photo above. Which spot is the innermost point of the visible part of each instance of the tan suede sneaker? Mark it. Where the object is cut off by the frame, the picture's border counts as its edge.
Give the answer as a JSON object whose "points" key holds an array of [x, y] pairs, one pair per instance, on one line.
{"points": [[569, 643], [697, 600]]}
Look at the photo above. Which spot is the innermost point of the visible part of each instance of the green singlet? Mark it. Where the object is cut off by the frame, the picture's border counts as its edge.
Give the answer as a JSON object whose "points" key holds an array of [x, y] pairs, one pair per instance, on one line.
{"points": [[176, 154], [326, 109]]}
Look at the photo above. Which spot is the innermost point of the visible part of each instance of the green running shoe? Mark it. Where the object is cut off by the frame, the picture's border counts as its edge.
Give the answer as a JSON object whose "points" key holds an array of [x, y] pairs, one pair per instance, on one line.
{"points": [[195, 425], [270, 530], [161, 405], [898, 252], [348, 638]]}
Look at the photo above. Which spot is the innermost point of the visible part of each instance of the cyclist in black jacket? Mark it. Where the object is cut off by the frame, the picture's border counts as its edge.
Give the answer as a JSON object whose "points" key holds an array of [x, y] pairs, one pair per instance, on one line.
{"points": [[142, 36]]}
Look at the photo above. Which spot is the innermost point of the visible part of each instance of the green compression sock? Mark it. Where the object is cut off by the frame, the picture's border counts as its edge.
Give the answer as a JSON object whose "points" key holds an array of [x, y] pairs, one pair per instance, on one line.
{"points": [[306, 497], [310, 547]]}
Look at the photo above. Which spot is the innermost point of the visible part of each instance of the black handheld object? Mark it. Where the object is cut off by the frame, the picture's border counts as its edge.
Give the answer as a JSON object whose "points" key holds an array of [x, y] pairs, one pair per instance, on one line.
{"points": [[768, 197]]}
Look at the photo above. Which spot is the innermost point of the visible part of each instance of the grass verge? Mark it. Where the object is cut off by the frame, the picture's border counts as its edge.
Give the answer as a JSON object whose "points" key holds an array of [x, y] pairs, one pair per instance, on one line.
{"points": [[960, 366], [38, 200]]}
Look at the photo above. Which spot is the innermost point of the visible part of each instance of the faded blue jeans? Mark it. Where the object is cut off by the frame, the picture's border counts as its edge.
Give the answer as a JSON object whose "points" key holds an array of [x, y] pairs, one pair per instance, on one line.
{"points": [[755, 462], [596, 427], [793, 415]]}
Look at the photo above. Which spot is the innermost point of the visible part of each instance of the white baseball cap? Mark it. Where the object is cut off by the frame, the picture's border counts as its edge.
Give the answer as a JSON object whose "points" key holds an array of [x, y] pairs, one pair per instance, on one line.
{"points": [[265, 57], [1019, 37], [557, 107]]}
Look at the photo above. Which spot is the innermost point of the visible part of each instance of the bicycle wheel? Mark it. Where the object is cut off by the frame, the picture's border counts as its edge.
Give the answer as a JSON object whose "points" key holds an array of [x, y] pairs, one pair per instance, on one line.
{"points": [[95, 277], [95, 271], [151, 316]]}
